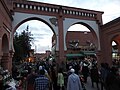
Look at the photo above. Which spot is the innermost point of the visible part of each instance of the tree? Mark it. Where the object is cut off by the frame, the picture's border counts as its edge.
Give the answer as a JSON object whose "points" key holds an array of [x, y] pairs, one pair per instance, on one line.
{"points": [[22, 45]]}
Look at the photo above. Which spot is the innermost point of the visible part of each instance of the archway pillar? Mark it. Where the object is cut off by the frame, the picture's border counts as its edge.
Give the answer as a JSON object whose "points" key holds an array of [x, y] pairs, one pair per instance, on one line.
{"points": [[107, 53], [61, 40], [99, 57], [11, 53], [0, 60]]}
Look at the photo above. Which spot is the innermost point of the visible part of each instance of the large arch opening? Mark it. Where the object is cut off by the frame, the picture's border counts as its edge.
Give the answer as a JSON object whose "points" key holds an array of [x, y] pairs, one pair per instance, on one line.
{"points": [[115, 44], [81, 41], [42, 34]]}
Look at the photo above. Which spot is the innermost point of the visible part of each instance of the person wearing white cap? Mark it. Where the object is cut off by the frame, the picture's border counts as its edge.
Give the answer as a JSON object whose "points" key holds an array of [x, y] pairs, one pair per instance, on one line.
{"points": [[74, 82], [40, 67]]}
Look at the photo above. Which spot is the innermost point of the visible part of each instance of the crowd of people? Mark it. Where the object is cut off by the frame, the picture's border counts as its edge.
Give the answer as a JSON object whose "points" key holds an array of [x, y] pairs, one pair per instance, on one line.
{"points": [[50, 76]]}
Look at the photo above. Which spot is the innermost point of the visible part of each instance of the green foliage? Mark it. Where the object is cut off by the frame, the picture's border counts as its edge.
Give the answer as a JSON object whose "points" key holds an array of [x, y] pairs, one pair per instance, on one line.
{"points": [[22, 45]]}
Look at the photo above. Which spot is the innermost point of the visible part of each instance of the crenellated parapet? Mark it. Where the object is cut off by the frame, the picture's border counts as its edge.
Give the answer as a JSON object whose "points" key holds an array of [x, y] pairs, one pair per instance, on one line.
{"points": [[51, 9]]}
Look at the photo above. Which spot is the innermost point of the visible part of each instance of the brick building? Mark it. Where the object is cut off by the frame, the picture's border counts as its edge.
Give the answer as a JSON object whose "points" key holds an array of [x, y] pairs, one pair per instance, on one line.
{"points": [[79, 44]]}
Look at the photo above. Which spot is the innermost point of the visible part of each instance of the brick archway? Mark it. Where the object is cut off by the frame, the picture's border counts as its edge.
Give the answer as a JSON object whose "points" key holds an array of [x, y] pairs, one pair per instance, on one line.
{"points": [[5, 50], [94, 33], [109, 32]]}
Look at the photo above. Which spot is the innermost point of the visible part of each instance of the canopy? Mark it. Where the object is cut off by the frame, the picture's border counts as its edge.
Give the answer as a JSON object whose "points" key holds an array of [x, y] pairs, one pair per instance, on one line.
{"points": [[74, 55], [89, 52]]}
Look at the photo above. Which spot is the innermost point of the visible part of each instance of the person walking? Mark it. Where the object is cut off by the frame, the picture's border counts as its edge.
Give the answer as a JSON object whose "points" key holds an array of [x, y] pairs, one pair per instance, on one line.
{"points": [[104, 71], [60, 80], [85, 69], [41, 82], [74, 82], [31, 79], [113, 80], [94, 76], [54, 76]]}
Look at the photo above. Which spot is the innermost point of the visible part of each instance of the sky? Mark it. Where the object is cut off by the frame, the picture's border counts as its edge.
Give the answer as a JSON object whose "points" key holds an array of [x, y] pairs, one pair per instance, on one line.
{"points": [[42, 40]]}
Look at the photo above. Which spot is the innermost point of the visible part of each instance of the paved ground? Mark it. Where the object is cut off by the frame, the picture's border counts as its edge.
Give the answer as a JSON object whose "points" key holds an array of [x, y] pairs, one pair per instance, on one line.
{"points": [[89, 86]]}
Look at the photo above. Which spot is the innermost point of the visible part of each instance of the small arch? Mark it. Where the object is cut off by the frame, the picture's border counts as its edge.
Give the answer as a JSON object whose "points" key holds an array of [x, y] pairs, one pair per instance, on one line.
{"points": [[5, 44], [116, 47], [116, 38]]}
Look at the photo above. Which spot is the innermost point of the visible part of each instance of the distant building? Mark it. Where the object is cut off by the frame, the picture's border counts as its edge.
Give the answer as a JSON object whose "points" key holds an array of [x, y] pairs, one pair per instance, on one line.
{"points": [[42, 56], [78, 43]]}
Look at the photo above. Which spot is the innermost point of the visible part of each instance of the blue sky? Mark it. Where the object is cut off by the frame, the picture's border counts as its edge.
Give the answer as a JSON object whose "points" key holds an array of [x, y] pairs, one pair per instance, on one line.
{"points": [[42, 40]]}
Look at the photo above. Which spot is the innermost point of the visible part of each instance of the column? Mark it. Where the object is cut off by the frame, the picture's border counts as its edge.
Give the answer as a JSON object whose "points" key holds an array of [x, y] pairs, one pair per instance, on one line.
{"points": [[99, 58], [60, 36], [0, 60], [10, 60]]}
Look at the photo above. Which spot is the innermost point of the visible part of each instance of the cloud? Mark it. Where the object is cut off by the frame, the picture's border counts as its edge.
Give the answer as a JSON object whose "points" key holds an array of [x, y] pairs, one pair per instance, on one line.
{"points": [[78, 27]]}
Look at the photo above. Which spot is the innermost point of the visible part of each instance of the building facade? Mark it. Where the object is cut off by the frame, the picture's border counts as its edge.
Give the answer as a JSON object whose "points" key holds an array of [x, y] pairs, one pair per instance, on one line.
{"points": [[5, 35]]}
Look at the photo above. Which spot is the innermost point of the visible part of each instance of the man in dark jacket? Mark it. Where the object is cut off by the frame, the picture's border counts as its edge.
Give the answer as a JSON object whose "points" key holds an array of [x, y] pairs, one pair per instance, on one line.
{"points": [[113, 80]]}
